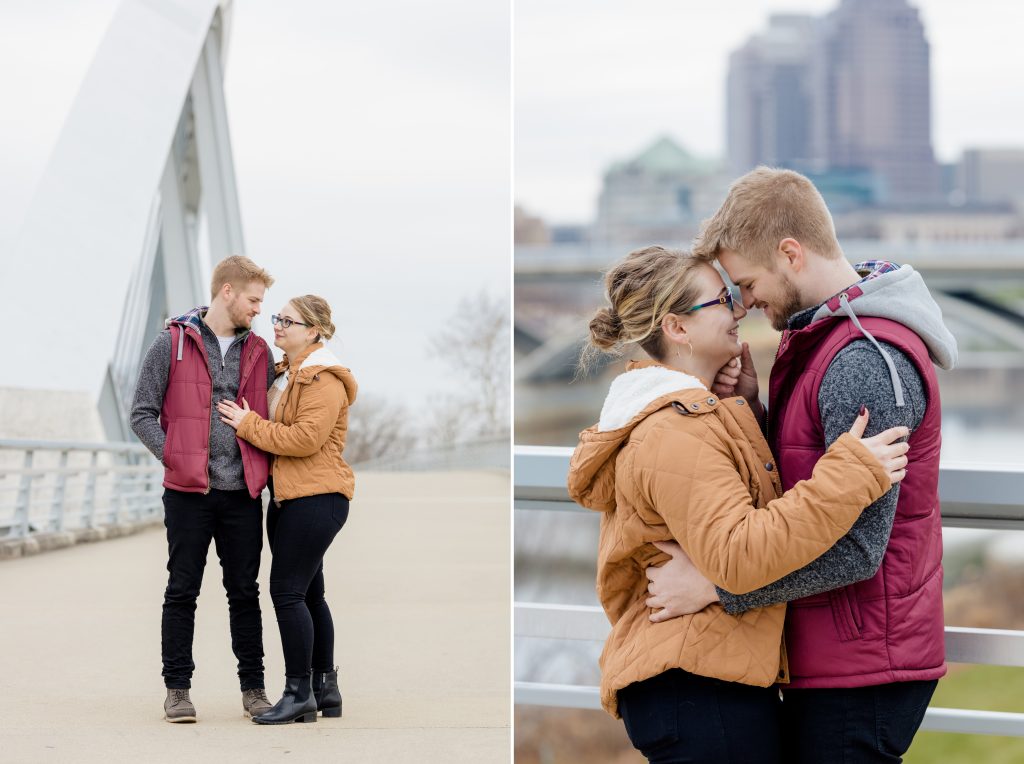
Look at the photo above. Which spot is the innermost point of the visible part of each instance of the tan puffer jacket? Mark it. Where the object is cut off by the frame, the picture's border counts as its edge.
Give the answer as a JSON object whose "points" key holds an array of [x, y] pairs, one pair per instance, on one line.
{"points": [[670, 461], [307, 436]]}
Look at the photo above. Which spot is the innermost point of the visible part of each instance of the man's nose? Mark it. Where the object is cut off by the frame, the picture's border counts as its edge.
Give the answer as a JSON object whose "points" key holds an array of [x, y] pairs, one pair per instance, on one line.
{"points": [[746, 298], [738, 311]]}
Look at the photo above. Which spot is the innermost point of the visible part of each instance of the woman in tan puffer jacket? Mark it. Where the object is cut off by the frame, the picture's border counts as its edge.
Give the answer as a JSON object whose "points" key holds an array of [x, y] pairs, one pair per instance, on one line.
{"points": [[311, 486], [669, 460]]}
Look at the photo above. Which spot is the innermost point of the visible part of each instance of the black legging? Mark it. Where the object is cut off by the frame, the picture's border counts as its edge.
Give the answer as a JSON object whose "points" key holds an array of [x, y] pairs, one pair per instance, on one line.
{"points": [[300, 531], [677, 718]]}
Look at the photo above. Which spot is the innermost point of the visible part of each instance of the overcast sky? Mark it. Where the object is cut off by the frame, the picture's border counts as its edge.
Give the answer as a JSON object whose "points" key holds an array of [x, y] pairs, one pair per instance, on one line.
{"points": [[597, 81], [372, 146]]}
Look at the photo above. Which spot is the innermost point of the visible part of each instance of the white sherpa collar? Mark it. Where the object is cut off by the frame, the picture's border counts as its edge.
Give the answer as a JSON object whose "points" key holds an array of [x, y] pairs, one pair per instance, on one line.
{"points": [[632, 391], [320, 357]]}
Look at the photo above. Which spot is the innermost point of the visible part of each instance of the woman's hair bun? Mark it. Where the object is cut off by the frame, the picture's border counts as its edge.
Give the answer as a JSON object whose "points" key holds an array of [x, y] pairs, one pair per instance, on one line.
{"points": [[605, 329]]}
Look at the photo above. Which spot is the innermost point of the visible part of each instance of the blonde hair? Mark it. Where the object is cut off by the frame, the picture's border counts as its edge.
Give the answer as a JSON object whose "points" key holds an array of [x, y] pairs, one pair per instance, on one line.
{"points": [[239, 271], [641, 290], [316, 312], [764, 207]]}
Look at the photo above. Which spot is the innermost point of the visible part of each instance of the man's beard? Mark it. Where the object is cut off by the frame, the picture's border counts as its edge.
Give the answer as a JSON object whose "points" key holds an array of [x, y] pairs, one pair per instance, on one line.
{"points": [[788, 305], [239, 318]]}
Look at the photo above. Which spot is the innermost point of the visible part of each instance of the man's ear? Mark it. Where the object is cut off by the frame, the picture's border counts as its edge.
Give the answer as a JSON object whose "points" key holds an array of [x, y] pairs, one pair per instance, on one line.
{"points": [[791, 254]]}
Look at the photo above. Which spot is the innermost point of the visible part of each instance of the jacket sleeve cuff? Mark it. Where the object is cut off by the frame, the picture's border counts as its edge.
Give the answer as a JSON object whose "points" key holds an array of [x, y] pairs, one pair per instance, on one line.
{"points": [[248, 422]]}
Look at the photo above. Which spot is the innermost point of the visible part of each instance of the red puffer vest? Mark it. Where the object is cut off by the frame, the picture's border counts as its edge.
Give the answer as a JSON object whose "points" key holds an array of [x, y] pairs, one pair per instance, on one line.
{"points": [[188, 406], [890, 627]]}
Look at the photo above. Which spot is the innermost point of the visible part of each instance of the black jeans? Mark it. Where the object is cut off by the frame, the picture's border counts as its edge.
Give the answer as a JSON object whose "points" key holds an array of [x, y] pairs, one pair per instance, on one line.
{"points": [[678, 717], [234, 521], [300, 532], [853, 725]]}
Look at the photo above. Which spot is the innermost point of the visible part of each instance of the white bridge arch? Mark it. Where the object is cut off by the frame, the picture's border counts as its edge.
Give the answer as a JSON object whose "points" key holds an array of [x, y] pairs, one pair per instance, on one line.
{"points": [[138, 196]]}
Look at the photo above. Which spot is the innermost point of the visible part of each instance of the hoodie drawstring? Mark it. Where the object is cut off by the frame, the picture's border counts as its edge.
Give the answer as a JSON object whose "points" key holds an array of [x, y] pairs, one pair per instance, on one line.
{"points": [[897, 386], [181, 340]]}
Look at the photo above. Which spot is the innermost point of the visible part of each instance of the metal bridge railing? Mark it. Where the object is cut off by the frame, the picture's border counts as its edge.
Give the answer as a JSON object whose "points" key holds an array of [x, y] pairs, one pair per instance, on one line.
{"points": [[972, 497], [55, 486]]}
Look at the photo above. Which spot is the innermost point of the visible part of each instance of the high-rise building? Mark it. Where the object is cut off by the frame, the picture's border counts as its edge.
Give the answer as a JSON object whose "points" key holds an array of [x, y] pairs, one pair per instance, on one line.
{"points": [[846, 96], [872, 98], [768, 104], [992, 176]]}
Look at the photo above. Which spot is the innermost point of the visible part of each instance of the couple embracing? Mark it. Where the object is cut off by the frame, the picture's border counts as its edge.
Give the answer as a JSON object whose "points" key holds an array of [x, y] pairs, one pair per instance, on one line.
{"points": [[772, 575], [225, 421]]}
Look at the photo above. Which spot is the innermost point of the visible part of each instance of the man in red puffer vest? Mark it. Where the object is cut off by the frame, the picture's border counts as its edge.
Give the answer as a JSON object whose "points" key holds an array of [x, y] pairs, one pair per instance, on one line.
{"points": [[213, 481], [864, 628]]}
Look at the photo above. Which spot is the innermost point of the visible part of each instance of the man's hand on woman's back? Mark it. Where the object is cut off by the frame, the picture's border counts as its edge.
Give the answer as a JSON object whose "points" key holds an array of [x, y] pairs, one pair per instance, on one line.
{"points": [[677, 587]]}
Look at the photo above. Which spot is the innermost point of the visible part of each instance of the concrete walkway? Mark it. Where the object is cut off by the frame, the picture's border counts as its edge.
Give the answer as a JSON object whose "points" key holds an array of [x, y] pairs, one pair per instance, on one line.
{"points": [[419, 584]]}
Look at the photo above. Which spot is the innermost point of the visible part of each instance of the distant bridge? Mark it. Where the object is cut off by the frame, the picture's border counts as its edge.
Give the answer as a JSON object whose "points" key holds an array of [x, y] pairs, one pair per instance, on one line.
{"points": [[965, 279]]}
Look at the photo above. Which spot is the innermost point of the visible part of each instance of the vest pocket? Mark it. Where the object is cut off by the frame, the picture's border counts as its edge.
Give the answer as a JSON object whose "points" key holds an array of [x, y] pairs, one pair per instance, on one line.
{"points": [[169, 446], [845, 614]]}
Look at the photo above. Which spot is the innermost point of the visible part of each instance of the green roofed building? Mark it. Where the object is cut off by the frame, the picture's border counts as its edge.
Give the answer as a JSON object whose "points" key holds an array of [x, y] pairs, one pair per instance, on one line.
{"points": [[658, 196]]}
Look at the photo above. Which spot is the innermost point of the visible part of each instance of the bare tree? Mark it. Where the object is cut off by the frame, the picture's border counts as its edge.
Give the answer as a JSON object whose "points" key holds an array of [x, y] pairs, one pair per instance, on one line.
{"points": [[376, 428], [476, 344], [447, 420]]}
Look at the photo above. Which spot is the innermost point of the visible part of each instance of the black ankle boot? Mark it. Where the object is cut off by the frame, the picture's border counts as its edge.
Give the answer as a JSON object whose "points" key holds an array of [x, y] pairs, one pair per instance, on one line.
{"points": [[297, 704], [328, 696]]}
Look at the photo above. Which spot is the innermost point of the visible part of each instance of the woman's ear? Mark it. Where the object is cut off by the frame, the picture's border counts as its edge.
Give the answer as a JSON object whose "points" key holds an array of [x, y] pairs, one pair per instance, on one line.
{"points": [[674, 328]]}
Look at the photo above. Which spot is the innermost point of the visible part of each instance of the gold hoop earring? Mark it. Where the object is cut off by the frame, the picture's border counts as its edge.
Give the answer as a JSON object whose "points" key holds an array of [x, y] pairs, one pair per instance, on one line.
{"points": [[680, 355]]}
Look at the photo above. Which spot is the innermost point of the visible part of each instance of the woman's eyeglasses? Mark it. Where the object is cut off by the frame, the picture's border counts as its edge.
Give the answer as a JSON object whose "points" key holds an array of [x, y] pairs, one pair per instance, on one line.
{"points": [[725, 299], [285, 322]]}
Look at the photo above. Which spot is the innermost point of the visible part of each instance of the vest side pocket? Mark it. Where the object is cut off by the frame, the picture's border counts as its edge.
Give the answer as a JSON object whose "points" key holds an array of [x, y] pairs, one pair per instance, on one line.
{"points": [[845, 614], [170, 445]]}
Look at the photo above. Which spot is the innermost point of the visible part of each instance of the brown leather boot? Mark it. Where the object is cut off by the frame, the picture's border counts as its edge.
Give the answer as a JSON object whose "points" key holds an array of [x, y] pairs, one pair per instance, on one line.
{"points": [[255, 702], [178, 706]]}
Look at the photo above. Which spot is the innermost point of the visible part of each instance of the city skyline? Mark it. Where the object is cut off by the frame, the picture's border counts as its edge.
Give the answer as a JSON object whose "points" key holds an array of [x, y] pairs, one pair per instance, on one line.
{"points": [[846, 96], [587, 100]]}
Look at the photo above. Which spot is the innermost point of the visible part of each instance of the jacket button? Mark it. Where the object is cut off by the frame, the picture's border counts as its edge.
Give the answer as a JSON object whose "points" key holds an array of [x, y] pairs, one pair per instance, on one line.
{"points": [[711, 401], [769, 466], [695, 406], [740, 401]]}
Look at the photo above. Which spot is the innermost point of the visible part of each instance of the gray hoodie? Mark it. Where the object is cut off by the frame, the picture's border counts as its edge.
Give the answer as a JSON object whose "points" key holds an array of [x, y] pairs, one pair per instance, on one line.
{"points": [[879, 376]]}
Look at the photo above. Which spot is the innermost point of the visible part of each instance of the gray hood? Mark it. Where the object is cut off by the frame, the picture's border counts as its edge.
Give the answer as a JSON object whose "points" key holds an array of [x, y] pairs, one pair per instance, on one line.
{"points": [[899, 295]]}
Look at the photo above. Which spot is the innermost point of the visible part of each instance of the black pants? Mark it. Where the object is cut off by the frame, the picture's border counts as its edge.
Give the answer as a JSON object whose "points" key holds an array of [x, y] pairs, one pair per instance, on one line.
{"points": [[234, 521], [678, 717], [853, 725], [300, 532]]}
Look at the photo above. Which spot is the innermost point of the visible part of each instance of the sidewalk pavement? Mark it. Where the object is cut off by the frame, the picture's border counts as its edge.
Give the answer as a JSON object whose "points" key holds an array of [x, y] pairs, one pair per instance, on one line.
{"points": [[418, 581]]}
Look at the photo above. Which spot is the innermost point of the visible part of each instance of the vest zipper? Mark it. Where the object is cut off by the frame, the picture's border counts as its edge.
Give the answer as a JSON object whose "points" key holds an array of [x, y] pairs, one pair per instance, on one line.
{"points": [[209, 445], [209, 425], [782, 341]]}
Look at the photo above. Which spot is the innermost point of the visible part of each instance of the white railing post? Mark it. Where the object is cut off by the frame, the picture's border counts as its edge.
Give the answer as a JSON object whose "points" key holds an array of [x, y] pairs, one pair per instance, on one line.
{"points": [[57, 507], [24, 500], [89, 499], [116, 489]]}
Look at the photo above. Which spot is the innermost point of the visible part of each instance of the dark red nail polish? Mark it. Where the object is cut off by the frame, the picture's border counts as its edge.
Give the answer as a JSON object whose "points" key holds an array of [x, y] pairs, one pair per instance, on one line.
{"points": [[863, 410]]}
